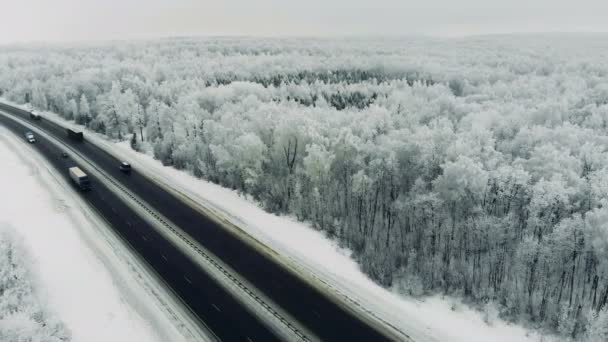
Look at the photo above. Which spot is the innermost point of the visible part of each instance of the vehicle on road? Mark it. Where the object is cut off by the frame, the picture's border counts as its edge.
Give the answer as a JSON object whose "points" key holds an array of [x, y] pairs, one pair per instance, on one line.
{"points": [[29, 136], [35, 116], [75, 135], [64, 154], [125, 167], [79, 178]]}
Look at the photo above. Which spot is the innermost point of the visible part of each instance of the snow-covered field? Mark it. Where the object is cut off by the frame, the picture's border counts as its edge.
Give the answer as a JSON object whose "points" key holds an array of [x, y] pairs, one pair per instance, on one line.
{"points": [[429, 319], [77, 272]]}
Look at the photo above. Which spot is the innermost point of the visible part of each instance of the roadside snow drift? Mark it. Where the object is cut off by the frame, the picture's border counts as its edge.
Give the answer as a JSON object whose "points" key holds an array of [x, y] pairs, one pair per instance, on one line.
{"points": [[431, 319], [69, 277]]}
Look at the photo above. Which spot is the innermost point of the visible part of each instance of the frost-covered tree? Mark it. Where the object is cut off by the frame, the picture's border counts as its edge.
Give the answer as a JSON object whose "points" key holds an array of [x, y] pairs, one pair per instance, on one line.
{"points": [[72, 110], [478, 170], [84, 112], [23, 317]]}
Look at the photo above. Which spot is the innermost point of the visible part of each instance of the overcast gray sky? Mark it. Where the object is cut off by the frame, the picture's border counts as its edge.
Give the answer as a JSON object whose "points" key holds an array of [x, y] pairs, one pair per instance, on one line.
{"points": [[69, 20]]}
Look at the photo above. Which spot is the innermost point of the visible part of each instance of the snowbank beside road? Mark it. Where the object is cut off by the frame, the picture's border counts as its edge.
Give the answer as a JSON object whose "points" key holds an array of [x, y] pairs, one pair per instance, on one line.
{"points": [[431, 319], [78, 274]]}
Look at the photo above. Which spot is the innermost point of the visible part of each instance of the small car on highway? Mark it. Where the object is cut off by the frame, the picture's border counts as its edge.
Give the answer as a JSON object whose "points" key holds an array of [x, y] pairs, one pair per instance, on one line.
{"points": [[125, 167]]}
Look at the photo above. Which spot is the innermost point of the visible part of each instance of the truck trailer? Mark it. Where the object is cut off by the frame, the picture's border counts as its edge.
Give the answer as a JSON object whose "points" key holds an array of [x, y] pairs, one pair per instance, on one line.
{"points": [[35, 116], [78, 136], [79, 178]]}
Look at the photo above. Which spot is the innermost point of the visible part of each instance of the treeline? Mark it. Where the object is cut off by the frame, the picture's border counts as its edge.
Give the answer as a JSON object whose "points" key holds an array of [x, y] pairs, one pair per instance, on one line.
{"points": [[22, 315], [473, 168]]}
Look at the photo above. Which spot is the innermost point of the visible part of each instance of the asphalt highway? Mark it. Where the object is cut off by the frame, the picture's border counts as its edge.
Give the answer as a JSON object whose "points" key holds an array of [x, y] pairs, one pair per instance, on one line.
{"points": [[220, 312], [310, 306]]}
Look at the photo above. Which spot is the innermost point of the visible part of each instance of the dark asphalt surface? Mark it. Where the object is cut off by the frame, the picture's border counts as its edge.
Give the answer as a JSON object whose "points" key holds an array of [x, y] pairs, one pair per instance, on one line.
{"points": [[309, 306], [203, 295]]}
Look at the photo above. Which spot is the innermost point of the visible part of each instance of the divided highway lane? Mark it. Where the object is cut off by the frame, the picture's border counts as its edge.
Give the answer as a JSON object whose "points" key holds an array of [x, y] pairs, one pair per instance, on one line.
{"points": [[312, 308], [220, 312]]}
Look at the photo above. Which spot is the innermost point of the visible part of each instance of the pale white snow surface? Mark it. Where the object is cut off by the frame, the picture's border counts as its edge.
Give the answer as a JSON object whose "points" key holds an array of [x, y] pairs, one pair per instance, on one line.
{"points": [[430, 319], [75, 282]]}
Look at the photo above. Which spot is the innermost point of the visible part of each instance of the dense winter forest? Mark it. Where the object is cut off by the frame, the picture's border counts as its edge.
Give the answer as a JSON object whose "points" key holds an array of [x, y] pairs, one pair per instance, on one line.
{"points": [[473, 167], [23, 316]]}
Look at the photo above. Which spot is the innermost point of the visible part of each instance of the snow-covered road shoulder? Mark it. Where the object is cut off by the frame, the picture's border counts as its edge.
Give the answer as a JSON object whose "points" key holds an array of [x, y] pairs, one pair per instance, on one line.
{"points": [[81, 271], [432, 319]]}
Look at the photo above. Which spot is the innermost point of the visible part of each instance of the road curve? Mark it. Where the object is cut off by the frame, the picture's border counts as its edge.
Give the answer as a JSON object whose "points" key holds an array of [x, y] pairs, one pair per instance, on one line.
{"points": [[219, 311], [318, 312]]}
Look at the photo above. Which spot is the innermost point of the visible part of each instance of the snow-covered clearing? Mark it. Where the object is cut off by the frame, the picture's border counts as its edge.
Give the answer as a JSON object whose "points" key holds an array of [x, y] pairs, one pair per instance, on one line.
{"points": [[430, 319], [78, 273]]}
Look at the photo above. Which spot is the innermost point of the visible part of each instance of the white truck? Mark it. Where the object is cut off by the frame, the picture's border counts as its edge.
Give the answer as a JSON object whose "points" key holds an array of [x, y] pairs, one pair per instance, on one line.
{"points": [[29, 136], [80, 178]]}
